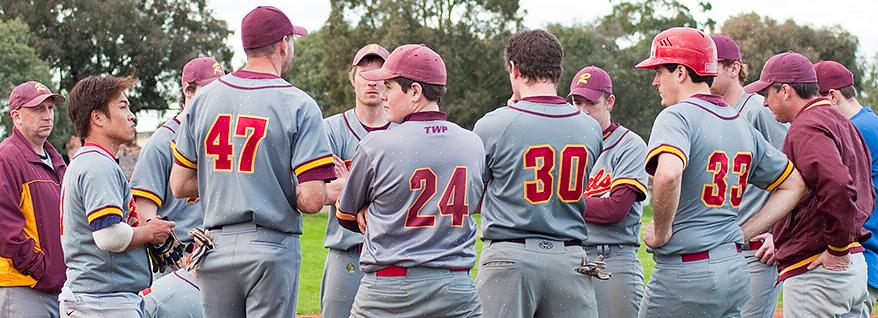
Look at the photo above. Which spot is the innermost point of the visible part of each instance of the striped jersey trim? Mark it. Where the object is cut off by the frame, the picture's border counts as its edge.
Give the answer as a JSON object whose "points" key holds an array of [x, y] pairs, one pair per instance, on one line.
{"points": [[180, 159], [665, 148], [783, 177], [317, 162], [148, 195]]}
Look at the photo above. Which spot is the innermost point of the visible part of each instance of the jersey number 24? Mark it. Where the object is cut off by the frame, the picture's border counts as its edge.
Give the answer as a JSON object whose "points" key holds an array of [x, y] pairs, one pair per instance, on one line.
{"points": [[218, 143], [452, 203]]}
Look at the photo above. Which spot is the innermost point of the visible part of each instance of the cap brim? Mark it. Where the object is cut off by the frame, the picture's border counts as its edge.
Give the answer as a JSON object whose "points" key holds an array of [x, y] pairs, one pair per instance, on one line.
{"points": [[378, 75], [300, 31], [757, 86], [360, 58], [649, 63], [592, 95], [57, 98]]}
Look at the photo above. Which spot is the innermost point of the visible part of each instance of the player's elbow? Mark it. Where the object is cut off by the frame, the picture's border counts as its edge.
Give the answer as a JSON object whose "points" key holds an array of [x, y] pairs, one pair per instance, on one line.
{"points": [[311, 196], [183, 182], [114, 238], [795, 184]]}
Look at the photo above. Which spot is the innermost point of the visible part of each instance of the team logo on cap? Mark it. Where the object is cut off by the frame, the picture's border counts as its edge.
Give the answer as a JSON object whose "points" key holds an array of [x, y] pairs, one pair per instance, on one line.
{"points": [[583, 79], [40, 87], [217, 69]]}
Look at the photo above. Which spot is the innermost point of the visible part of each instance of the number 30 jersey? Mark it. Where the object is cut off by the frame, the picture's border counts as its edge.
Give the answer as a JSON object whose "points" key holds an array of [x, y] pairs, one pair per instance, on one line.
{"points": [[248, 135], [539, 154], [721, 154], [421, 181]]}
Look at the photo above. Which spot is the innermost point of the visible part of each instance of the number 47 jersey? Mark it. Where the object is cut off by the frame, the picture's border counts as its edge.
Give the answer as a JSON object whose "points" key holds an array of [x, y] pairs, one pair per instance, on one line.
{"points": [[721, 154], [248, 135]]}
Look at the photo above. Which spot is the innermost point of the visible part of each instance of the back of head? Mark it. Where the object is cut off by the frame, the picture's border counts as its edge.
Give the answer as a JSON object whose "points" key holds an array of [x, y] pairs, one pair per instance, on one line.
{"points": [[94, 93], [537, 54], [264, 27], [832, 75]]}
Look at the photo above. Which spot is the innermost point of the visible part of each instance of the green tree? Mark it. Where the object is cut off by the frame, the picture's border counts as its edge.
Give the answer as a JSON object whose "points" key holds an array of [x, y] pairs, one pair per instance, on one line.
{"points": [[469, 34], [150, 39]]}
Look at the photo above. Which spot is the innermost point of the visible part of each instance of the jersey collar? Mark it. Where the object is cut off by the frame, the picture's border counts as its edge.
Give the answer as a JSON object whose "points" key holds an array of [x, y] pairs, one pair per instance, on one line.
{"points": [[426, 116], [817, 102], [253, 75], [101, 149], [609, 131], [545, 100]]}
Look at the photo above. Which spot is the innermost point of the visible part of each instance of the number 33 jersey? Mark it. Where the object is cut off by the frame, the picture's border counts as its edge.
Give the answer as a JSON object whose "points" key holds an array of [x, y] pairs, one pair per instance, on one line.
{"points": [[721, 154], [249, 134], [421, 181]]}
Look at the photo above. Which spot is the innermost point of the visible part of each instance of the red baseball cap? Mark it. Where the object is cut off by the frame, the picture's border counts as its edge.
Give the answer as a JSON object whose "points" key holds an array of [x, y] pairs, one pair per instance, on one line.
{"points": [[832, 75], [267, 25], [787, 67], [31, 94], [416, 62], [202, 71], [726, 48], [591, 83], [370, 50]]}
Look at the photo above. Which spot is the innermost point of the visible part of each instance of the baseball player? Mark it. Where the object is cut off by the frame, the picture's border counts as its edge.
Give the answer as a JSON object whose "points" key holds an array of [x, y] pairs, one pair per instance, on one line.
{"points": [[341, 272], [702, 157], [174, 295], [412, 190], [759, 252], [245, 138], [149, 183], [107, 263], [536, 172], [613, 195], [836, 84]]}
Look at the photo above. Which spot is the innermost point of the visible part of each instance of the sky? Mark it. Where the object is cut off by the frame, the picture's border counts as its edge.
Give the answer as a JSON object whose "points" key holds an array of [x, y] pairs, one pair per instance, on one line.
{"points": [[854, 16]]}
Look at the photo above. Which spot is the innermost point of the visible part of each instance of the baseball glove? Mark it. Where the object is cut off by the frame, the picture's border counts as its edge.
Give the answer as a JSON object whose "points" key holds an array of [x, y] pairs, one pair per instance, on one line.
{"points": [[203, 243], [166, 255], [595, 269]]}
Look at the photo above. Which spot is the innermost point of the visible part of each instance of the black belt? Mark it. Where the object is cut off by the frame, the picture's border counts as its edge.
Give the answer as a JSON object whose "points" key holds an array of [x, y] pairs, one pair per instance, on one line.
{"points": [[522, 241]]}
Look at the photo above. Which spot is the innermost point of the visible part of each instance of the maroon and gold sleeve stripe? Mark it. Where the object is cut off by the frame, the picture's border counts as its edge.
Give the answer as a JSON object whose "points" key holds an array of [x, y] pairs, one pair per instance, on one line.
{"points": [[783, 176], [313, 163], [840, 251], [665, 148], [146, 194], [628, 181], [347, 220], [180, 159]]}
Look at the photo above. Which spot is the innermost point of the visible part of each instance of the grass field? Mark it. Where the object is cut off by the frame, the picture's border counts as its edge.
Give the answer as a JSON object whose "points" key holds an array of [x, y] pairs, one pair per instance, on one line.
{"points": [[314, 254]]}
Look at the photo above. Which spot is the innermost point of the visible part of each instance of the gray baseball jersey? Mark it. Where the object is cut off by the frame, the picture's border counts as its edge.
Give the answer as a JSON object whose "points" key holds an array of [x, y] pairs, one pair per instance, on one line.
{"points": [[620, 163], [248, 134], [539, 153], [150, 181], [421, 181], [721, 154], [344, 131], [752, 108], [95, 195], [173, 296]]}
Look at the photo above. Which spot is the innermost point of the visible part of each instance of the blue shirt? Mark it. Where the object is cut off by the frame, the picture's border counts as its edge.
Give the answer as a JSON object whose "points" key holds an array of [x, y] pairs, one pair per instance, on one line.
{"points": [[867, 122]]}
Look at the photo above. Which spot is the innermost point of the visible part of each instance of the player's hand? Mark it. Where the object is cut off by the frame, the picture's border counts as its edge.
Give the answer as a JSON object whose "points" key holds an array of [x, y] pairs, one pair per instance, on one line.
{"points": [[831, 262], [341, 169], [361, 219], [158, 230], [765, 254]]}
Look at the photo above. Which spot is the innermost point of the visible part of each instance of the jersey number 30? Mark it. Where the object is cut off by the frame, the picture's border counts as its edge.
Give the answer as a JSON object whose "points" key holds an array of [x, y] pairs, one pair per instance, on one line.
{"points": [[218, 143], [571, 177], [452, 203], [714, 194]]}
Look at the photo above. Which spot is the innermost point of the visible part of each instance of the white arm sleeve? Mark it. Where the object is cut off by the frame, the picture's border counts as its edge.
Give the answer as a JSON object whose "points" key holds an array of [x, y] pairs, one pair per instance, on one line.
{"points": [[115, 238]]}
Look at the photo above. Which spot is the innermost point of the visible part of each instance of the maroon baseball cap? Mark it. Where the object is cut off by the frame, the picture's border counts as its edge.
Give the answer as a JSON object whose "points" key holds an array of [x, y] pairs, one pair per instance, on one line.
{"points": [[416, 62], [787, 67], [832, 75], [31, 94], [591, 83], [370, 50], [202, 70], [726, 48], [267, 25]]}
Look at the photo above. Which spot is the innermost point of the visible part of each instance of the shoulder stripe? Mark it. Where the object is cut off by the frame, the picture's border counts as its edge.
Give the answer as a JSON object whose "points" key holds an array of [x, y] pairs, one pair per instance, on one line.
{"points": [[181, 160], [633, 182], [348, 124], [745, 102], [314, 163], [102, 212], [545, 115], [714, 113], [665, 148], [169, 128], [618, 141], [783, 177], [147, 195], [253, 88]]}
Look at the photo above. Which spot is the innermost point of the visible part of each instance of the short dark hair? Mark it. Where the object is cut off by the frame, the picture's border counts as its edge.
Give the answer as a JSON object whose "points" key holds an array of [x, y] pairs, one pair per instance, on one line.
{"points": [[265, 50], [742, 74], [848, 92], [432, 92], [804, 90], [91, 94], [695, 77], [537, 54], [193, 86]]}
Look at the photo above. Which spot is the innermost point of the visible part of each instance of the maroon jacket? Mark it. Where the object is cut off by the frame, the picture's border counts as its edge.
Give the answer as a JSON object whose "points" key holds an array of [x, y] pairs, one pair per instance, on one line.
{"points": [[30, 226], [833, 159]]}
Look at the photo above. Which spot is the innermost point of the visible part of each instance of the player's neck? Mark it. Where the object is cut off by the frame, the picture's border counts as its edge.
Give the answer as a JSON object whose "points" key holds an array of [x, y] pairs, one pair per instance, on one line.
{"points": [[371, 116], [262, 65], [429, 106], [849, 108], [537, 89], [104, 142], [733, 94], [687, 91]]}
